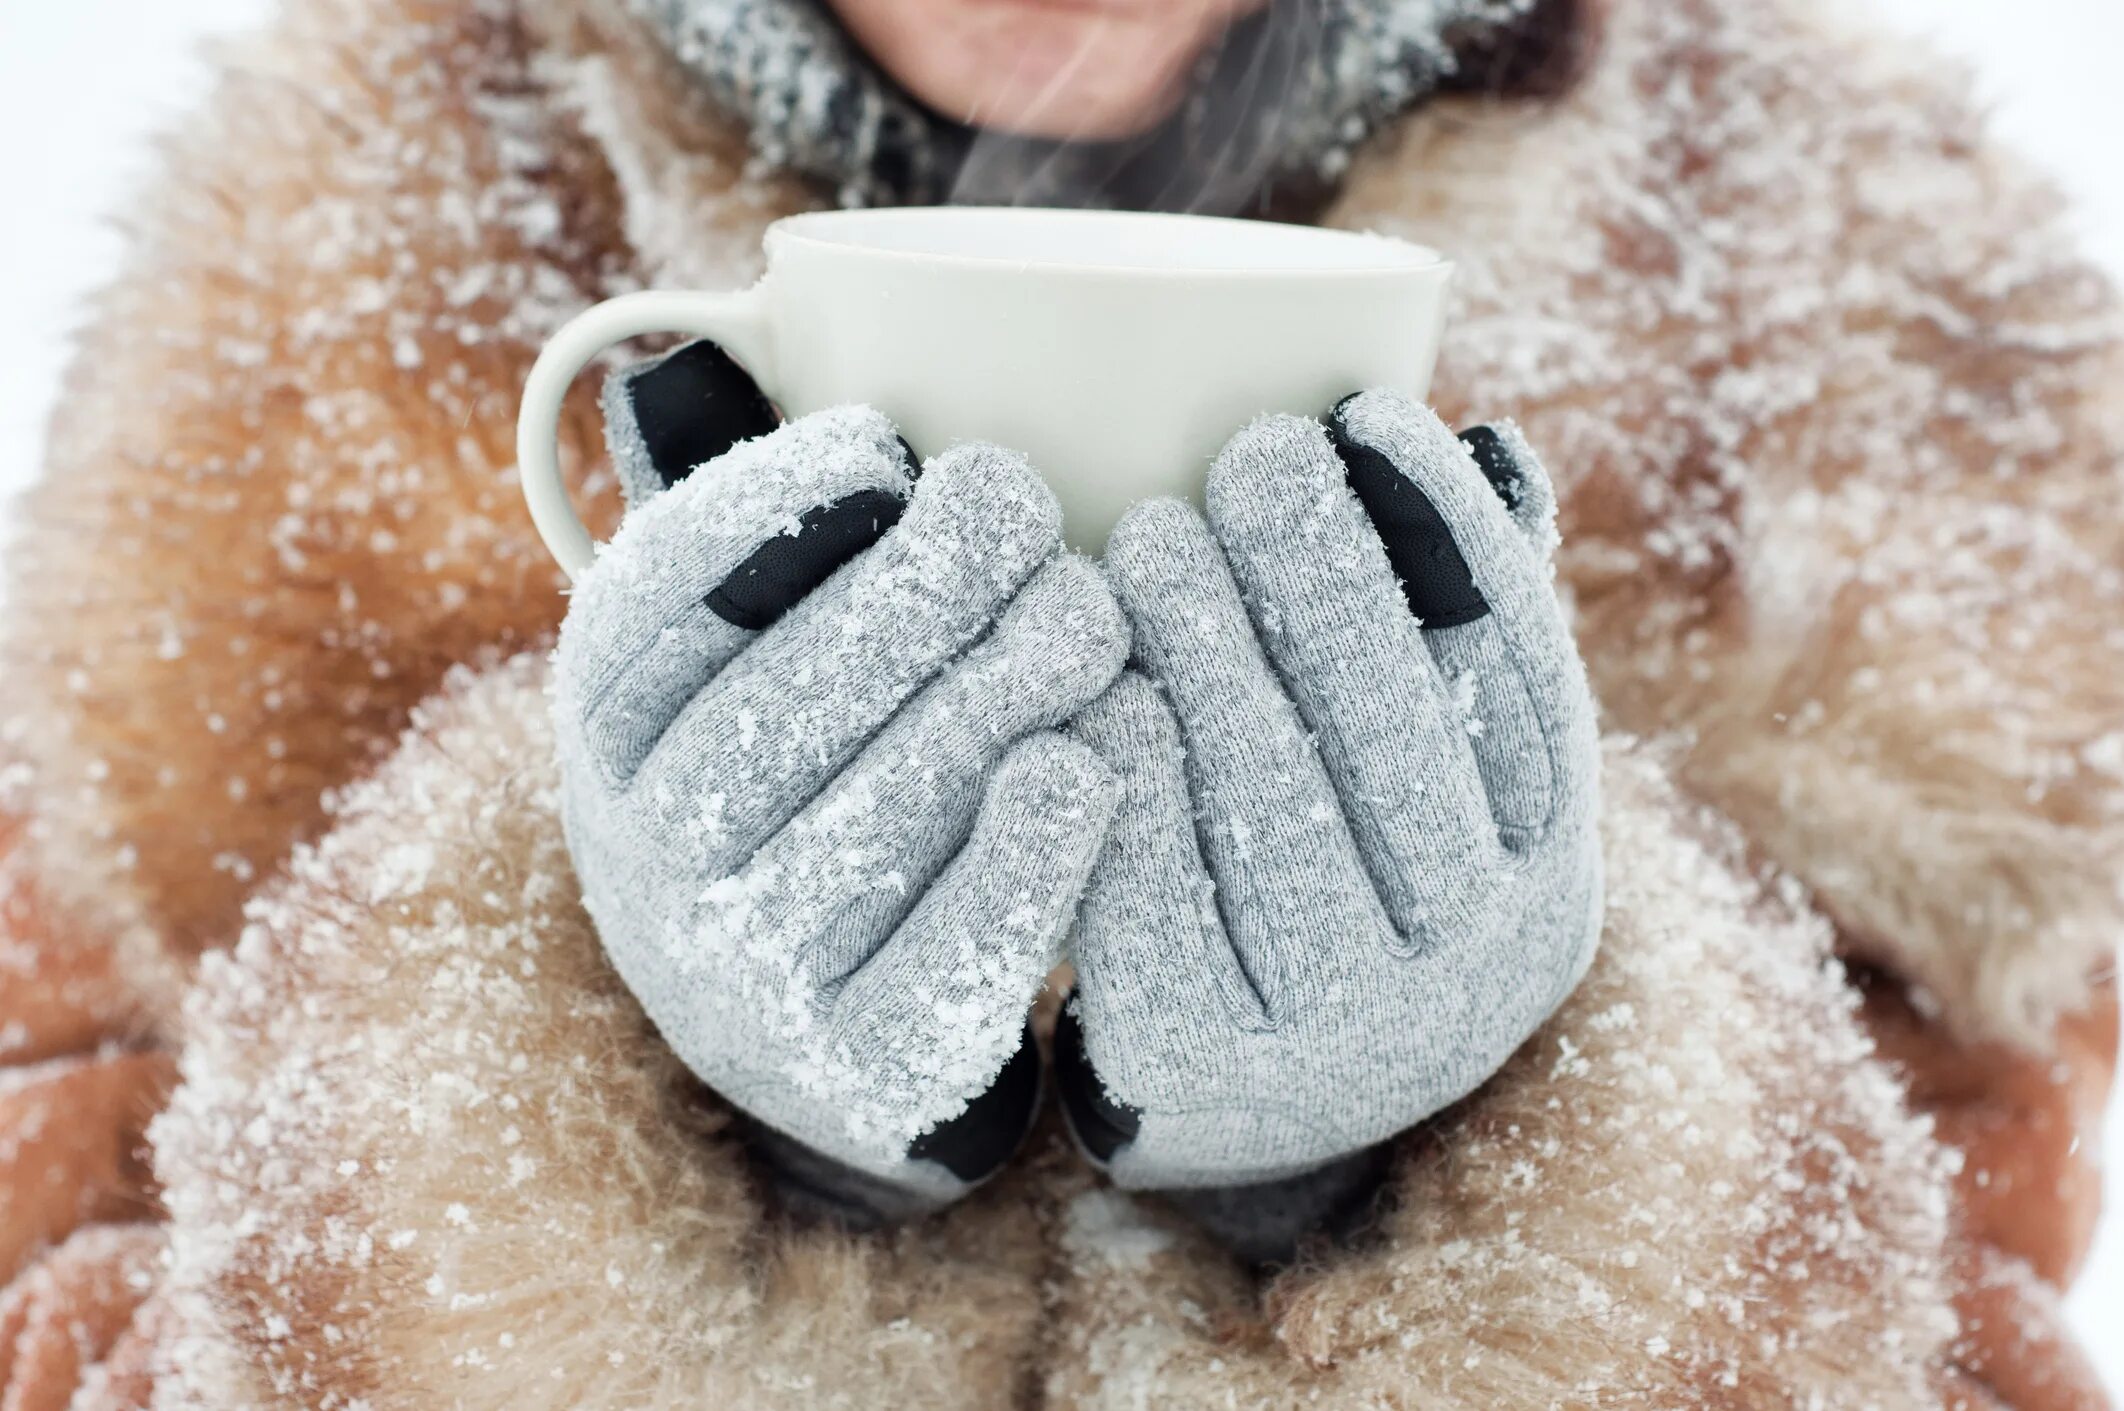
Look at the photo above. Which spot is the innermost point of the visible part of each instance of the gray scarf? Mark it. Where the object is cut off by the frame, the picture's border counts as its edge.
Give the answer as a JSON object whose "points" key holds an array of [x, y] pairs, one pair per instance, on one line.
{"points": [[1276, 107]]}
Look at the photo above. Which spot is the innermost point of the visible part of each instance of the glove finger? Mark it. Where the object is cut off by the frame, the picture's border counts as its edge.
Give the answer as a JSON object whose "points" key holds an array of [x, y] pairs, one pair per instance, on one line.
{"points": [[858, 856], [1154, 967], [1477, 657], [1518, 479], [669, 416], [929, 1023], [1331, 616], [1273, 834], [765, 736], [691, 578], [1485, 600]]}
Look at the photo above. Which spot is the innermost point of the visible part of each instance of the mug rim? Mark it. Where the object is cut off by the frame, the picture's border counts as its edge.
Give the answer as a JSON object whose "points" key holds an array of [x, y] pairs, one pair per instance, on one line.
{"points": [[834, 230]]}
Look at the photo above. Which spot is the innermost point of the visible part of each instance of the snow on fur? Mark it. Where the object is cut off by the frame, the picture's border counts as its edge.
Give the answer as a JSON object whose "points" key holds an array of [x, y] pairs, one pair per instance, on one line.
{"points": [[429, 1152], [1692, 1188], [1822, 383], [293, 424], [1824, 393], [426, 1153]]}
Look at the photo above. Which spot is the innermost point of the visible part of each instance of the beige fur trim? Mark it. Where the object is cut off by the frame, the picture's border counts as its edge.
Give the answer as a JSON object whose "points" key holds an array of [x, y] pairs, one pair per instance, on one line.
{"points": [[280, 499], [1823, 383], [1825, 388], [428, 1154], [1694, 1188], [695, 201]]}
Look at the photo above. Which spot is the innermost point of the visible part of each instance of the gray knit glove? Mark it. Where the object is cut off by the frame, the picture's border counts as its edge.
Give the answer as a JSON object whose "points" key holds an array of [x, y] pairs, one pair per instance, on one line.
{"points": [[813, 790], [1355, 863]]}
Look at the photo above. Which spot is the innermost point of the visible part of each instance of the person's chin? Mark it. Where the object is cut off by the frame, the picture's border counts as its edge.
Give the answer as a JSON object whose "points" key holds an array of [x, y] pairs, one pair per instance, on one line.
{"points": [[1087, 70]]}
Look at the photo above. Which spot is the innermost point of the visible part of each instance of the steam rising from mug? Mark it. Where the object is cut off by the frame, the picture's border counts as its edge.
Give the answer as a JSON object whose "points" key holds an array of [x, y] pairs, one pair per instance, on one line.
{"points": [[1276, 105], [1275, 108], [1218, 152]]}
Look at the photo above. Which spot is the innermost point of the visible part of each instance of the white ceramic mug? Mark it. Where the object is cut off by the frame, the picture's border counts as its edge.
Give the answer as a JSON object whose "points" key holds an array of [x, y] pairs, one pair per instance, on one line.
{"points": [[1118, 351]]}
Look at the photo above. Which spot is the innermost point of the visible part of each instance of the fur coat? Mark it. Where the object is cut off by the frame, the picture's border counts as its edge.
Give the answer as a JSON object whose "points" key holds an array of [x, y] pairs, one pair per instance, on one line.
{"points": [[323, 1096]]}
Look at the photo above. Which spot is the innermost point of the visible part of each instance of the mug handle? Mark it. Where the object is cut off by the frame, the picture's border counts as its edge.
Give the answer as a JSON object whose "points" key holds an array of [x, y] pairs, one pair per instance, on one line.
{"points": [[737, 322]]}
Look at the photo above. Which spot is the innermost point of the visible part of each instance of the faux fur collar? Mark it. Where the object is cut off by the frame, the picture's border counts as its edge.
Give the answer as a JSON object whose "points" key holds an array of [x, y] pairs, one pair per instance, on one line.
{"points": [[1277, 106]]}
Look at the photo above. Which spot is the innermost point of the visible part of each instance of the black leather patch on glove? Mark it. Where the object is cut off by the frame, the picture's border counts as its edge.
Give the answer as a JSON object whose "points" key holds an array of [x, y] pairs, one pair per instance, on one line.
{"points": [[974, 1145], [785, 569], [1434, 576], [1102, 1125], [694, 404]]}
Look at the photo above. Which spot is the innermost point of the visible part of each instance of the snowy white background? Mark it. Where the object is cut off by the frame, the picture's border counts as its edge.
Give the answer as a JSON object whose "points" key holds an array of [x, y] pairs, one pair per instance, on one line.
{"points": [[83, 83]]}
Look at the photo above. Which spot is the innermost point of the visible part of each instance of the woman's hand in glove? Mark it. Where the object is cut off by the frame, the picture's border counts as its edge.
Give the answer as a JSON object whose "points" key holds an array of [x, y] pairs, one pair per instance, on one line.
{"points": [[807, 703], [1355, 863]]}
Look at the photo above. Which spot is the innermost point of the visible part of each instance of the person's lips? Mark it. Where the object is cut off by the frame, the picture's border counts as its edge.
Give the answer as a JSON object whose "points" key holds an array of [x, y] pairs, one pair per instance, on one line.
{"points": [[1082, 69]]}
